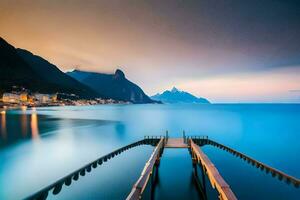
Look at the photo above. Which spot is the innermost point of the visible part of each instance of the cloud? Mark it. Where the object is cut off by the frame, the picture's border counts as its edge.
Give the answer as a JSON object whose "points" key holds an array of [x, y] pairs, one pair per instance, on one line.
{"points": [[208, 42], [295, 91]]}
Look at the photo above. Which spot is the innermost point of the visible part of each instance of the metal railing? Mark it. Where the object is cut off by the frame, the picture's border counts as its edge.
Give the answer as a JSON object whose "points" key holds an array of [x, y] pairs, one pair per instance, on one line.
{"points": [[263, 167], [139, 187], [56, 187]]}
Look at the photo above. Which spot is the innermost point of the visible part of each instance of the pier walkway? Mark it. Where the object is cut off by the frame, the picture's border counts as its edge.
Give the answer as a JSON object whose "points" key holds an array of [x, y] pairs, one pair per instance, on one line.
{"points": [[198, 157], [176, 143]]}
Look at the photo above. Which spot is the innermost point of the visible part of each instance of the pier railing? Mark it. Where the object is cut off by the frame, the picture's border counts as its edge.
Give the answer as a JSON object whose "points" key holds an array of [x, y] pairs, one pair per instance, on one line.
{"points": [[215, 178], [161, 142], [139, 187], [263, 167], [74, 176]]}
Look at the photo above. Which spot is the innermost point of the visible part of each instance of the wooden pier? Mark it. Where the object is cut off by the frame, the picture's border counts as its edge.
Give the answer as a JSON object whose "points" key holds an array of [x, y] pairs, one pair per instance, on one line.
{"points": [[214, 177], [175, 143], [140, 185], [198, 157]]}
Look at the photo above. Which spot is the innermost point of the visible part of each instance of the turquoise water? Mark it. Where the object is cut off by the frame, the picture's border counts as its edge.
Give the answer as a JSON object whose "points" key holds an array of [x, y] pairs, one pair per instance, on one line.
{"points": [[40, 146]]}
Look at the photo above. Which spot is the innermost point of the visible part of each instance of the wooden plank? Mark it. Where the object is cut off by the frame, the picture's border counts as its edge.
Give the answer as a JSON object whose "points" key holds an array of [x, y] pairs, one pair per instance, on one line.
{"points": [[139, 187], [175, 143], [215, 178]]}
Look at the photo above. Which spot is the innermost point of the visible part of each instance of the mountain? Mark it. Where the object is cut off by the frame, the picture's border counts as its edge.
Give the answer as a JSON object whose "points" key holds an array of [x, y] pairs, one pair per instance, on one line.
{"points": [[115, 86], [177, 96], [14, 70], [21, 68]]}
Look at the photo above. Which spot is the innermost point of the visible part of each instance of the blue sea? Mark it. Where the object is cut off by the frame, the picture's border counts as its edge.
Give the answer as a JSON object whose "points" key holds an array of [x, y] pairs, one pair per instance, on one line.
{"points": [[39, 146]]}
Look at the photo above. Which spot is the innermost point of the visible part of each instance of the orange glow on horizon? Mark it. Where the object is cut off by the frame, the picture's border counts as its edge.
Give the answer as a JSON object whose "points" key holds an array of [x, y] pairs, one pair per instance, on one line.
{"points": [[252, 87], [161, 45]]}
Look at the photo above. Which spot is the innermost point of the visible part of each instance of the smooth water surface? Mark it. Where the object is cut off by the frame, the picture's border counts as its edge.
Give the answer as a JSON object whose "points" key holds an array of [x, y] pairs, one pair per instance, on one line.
{"points": [[40, 146]]}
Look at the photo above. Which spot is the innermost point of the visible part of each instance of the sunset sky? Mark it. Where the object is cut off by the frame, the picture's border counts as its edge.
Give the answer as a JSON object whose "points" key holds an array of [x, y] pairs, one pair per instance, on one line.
{"points": [[226, 51]]}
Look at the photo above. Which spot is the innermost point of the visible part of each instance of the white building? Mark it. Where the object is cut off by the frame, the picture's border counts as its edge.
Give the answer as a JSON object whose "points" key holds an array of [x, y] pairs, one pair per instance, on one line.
{"points": [[45, 98], [11, 98]]}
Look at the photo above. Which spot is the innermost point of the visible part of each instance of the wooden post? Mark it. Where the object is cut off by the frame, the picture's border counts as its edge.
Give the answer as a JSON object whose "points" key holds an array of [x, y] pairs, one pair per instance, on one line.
{"points": [[193, 157], [167, 135]]}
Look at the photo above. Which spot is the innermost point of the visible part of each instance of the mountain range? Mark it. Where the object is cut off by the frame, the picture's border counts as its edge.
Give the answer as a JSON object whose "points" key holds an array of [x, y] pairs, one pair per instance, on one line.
{"points": [[115, 86], [177, 96], [22, 69]]}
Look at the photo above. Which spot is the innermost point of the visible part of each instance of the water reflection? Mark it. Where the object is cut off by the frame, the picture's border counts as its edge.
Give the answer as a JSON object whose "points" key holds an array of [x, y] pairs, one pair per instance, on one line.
{"points": [[199, 182], [154, 182], [172, 179], [257, 130], [34, 126], [3, 125], [24, 123], [120, 129]]}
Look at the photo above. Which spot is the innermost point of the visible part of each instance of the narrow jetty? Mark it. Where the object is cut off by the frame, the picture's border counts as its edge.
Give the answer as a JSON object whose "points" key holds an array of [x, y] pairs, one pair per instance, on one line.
{"points": [[215, 178], [198, 158], [140, 185]]}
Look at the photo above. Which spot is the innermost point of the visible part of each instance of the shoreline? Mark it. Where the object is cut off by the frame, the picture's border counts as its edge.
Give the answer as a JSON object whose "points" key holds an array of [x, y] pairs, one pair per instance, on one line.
{"points": [[64, 102], [7, 107], [45, 106]]}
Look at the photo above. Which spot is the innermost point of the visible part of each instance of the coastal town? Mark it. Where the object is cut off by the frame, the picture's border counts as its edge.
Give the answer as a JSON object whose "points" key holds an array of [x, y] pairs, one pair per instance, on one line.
{"points": [[16, 99]]}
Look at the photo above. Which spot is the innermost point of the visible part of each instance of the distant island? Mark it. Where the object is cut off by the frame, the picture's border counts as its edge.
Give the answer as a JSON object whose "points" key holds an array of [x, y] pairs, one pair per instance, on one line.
{"points": [[177, 96]]}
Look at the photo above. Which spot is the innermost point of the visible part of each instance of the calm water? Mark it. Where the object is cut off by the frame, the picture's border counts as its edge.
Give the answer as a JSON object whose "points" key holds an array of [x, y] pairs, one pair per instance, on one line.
{"points": [[39, 147]]}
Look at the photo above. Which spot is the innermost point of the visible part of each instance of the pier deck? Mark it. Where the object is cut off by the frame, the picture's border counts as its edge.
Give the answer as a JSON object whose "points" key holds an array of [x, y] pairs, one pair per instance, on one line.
{"points": [[175, 143]]}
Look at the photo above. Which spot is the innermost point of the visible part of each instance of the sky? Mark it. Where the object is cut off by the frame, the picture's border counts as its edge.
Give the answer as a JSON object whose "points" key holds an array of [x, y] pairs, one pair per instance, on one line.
{"points": [[226, 51]]}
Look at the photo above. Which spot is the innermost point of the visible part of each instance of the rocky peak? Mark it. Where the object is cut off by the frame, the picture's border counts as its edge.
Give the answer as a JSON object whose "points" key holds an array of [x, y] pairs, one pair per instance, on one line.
{"points": [[3, 41], [174, 89], [76, 70], [119, 74], [5, 44]]}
